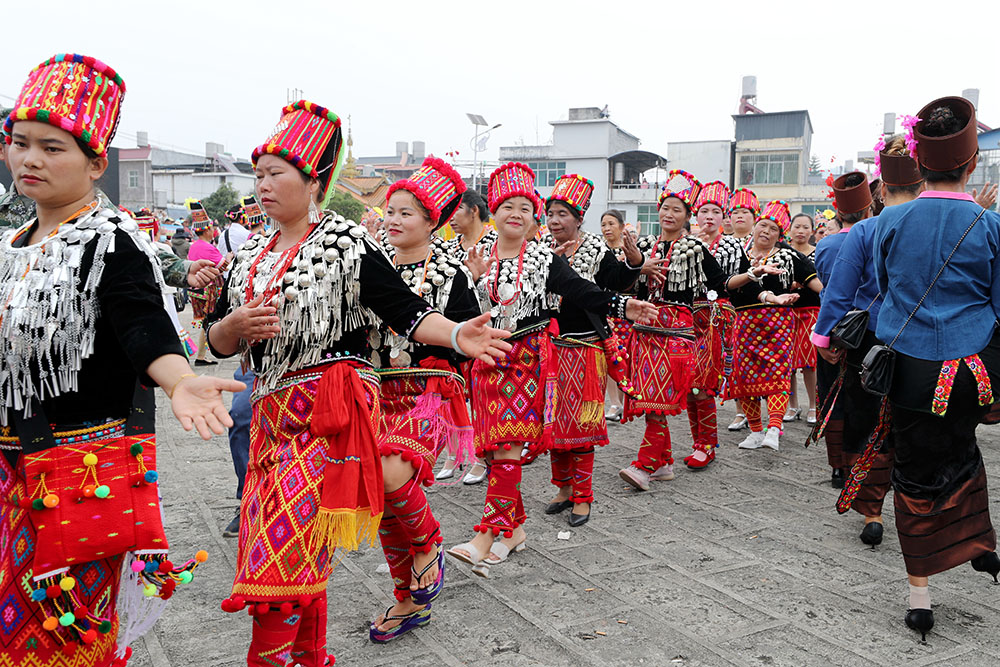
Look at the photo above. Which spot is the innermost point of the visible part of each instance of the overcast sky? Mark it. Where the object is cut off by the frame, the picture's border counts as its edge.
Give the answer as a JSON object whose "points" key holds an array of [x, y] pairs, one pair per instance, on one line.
{"points": [[218, 70]]}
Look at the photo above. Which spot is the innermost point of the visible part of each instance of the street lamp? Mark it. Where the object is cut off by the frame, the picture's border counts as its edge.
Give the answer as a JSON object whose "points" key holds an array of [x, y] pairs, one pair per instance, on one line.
{"points": [[477, 143]]}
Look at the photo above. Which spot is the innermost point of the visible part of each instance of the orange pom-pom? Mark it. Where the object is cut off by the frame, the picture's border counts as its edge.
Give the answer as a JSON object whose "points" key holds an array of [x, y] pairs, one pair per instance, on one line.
{"points": [[201, 556]]}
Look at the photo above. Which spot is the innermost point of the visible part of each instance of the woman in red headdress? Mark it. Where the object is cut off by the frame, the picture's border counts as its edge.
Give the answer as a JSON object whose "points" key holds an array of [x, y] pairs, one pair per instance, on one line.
{"points": [[300, 306], [765, 326], [84, 335], [514, 402]]}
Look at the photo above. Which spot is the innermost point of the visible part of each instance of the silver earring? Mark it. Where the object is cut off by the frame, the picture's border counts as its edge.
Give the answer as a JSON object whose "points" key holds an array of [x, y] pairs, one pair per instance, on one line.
{"points": [[313, 212]]}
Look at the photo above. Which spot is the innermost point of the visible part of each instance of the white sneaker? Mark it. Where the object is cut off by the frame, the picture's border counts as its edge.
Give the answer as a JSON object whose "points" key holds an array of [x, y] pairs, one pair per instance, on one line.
{"points": [[637, 477], [771, 438], [752, 441], [663, 473]]}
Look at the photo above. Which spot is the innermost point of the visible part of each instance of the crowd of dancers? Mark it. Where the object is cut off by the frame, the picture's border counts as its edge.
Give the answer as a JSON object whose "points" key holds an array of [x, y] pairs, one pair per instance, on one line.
{"points": [[367, 344]]}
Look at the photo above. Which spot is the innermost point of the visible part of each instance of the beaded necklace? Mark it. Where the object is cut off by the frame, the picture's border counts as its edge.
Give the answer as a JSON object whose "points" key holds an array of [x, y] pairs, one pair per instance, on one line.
{"points": [[282, 266], [497, 290]]}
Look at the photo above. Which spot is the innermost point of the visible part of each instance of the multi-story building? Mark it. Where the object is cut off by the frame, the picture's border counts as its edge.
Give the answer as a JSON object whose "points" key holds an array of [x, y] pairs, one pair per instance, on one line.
{"points": [[590, 144], [162, 179]]}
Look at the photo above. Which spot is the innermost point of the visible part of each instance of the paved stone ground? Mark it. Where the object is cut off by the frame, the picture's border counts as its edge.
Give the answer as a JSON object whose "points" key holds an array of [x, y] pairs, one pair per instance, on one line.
{"points": [[746, 563]]}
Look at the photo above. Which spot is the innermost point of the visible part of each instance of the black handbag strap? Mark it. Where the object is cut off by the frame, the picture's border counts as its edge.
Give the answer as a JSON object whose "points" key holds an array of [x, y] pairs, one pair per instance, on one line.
{"points": [[931, 286]]}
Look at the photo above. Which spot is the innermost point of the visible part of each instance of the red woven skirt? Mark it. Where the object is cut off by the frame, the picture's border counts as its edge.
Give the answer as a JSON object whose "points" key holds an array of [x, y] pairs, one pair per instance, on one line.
{"points": [[203, 300], [713, 329], [23, 640], [422, 420], [583, 377], [515, 400], [803, 351], [661, 359], [762, 352], [282, 494]]}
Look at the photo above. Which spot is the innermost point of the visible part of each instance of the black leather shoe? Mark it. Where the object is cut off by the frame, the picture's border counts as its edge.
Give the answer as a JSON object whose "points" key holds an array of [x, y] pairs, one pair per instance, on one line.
{"points": [[989, 563], [576, 520], [837, 478], [872, 533], [557, 507], [921, 620]]}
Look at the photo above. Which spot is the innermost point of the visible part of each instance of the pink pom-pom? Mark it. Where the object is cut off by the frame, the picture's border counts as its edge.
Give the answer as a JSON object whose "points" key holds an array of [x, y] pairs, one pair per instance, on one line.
{"points": [[138, 566]]}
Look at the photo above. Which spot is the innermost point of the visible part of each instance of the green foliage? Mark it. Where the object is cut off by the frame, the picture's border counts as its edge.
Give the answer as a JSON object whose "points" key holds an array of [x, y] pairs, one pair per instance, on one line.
{"points": [[346, 205], [221, 201], [814, 165]]}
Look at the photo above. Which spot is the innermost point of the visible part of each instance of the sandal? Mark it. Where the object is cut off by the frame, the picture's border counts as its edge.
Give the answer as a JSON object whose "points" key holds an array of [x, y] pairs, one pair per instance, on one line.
{"points": [[740, 422], [502, 551], [424, 596], [411, 621], [811, 416], [473, 556]]}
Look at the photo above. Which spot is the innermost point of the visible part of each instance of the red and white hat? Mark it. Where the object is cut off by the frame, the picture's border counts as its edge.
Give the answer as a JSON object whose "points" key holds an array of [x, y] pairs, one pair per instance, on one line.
{"points": [[744, 198], [573, 190], [688, 194], [777, 211], [716, 193], [511, 180], [438, 188]]}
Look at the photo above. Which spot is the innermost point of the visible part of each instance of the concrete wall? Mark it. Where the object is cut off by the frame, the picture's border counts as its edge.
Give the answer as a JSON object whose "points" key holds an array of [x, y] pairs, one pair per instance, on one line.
{"points": [[134, 198], [707, 160]]}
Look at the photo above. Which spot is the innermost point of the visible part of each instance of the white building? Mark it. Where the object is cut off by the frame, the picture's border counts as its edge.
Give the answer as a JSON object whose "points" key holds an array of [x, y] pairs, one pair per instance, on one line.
{"points": [[591, 145]]}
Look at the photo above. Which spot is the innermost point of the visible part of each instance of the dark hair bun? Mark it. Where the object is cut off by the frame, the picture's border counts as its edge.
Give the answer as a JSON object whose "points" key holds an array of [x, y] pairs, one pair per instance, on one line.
{"points": [[941, 123]]}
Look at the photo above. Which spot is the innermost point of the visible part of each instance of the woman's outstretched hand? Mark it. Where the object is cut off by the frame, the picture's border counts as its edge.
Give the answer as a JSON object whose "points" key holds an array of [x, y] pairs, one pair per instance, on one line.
{"points": [[642, 312], [479, 340], [197, 403]]}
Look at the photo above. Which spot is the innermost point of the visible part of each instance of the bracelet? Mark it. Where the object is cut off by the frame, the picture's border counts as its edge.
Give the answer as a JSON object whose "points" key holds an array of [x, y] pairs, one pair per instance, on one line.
{"points": [[170, 394], [454, 339], [620, 305], [752, 277]]}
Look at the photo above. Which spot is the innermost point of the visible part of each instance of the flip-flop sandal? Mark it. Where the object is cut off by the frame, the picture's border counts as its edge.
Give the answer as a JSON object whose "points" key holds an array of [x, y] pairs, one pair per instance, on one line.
{"points": [[429, 594], [410, 621]]}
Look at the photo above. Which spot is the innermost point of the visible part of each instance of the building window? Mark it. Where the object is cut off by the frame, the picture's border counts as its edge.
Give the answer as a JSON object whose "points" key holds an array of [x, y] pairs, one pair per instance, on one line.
{"points": [[813, 209], [769, 169], [649, 221], [133, 178], [547, 173]]}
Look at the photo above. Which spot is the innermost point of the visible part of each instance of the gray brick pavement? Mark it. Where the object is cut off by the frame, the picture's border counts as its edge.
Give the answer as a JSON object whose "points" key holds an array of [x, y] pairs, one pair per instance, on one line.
{"points": [[746, 563]]}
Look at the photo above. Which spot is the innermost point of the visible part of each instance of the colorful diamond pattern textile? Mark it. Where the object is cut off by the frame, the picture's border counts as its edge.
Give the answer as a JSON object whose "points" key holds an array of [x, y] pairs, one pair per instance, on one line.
{"points": [[763, 352]]}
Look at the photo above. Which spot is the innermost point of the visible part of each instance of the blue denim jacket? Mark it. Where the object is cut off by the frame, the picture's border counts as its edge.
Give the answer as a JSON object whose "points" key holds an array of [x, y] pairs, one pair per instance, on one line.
{"points": [[851, 283], [910, 244]]}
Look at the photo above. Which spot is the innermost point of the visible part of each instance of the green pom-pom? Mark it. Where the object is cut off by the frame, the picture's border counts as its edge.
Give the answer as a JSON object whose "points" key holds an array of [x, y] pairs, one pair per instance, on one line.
{"points": [[37, 504], [136, 449], [186, 577], [67, 619], [104, 627], [102, 491], [149, 591], [43, 115]]}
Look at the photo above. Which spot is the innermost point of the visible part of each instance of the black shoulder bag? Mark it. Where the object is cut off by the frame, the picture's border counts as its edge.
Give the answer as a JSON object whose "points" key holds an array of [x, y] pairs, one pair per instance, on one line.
{"points": [[849, 332], [878, 365]]}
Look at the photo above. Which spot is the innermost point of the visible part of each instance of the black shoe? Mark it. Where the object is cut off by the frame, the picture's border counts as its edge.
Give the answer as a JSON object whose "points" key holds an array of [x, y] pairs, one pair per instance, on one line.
{"points": [[921, 620], [872, 534], [233, 529], [205, 362], [576, 520], [837, 478], [559, 506], [989, 563]]}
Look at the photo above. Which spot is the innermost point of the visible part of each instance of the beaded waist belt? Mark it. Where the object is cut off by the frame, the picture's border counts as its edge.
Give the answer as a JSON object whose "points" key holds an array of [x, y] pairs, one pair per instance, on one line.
{"points": [[315, 373], [66, 435], [416, 371], [530, 329], [568, 341]]}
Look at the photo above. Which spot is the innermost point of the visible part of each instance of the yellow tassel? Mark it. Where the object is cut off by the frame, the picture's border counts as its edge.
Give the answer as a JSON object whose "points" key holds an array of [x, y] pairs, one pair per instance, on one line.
{"points": [[602, 364], [591, 413], [347, 530]]}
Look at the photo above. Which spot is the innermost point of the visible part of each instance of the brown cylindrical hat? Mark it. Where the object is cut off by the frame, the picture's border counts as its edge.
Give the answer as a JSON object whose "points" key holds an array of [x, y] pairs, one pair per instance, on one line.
{"points": [[954, 150], [899, 170], [851, 199]]}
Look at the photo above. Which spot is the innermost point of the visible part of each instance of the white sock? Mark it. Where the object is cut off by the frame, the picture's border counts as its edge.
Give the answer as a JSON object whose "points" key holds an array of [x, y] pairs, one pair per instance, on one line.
{"points": [[920, 597]]}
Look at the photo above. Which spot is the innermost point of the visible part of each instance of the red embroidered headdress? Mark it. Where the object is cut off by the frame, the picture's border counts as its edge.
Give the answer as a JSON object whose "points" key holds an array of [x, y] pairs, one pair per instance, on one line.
{"points": [[511, 180], [777, 211], [716, 193], [573, 190], [75, 93], [309, 137], [744, 198], [688, 194], [438, 188]]}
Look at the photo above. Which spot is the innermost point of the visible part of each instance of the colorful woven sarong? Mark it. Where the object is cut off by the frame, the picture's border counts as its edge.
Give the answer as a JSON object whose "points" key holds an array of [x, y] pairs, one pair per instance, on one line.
{"points": [[713, 328], [661, 359], [620, 327], [762, 352], [582, 379], [203, 300], [803, 351], [23, 640], [515, 401], [425, 412], [278, 559]]}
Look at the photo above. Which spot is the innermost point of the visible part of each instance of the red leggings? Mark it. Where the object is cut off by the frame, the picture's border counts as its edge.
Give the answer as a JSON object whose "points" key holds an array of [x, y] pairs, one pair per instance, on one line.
{"points": [[281, 638], [776, 406]]}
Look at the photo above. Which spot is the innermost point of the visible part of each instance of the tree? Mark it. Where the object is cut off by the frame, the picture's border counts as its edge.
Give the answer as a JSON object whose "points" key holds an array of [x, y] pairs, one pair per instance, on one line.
{"points": [[346, 205], [815, 168], [221, 201]]}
